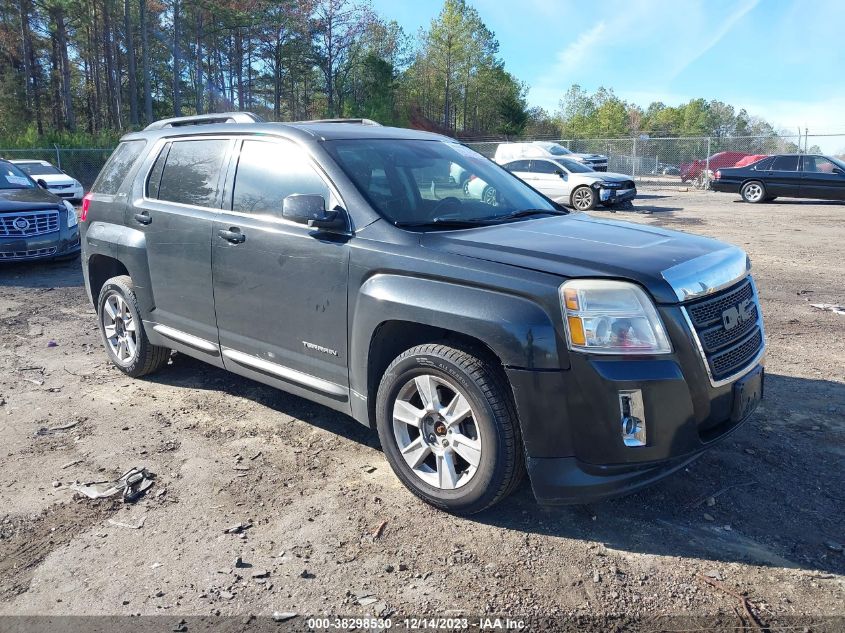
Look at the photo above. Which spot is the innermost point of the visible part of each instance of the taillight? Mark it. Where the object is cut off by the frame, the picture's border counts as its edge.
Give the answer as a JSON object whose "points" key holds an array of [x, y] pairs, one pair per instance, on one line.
{"points": [[718, 174], [86, 202], [473, 177]]}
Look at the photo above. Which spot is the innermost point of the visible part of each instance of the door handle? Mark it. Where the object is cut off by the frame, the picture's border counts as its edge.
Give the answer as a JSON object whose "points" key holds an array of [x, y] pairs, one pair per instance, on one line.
{"points": [[143, 218], [233, 235]]}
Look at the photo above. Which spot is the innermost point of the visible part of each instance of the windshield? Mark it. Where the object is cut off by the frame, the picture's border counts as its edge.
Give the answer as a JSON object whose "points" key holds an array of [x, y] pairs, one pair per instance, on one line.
{"points": [[37, 169], [13, 178], [573, 167], [556, 150], [421, 182]]}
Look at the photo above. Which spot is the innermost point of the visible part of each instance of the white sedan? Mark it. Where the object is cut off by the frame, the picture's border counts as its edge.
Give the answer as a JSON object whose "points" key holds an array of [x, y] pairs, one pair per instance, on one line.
{"points": [[568, 182], [57, 181]]}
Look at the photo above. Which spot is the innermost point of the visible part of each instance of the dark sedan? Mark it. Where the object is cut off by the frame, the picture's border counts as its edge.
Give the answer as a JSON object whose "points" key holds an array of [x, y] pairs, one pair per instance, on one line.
{"points": [[34, 223], [789, 175]]}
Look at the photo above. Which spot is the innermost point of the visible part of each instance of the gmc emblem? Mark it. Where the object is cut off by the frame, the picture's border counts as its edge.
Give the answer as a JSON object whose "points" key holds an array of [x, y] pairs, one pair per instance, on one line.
{"points": [[738, 315]]}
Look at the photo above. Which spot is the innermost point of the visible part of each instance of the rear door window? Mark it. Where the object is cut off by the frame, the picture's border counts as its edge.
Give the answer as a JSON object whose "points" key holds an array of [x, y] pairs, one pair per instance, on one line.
{"points": [[544, 167], [518, 165], [785, 163], [118, 166], [191, 172], [268, 172], [764, 164]]}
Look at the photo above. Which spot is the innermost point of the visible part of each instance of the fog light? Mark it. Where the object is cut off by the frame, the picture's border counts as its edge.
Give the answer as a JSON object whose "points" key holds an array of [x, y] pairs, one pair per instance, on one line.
{"points": [[632, 414]]}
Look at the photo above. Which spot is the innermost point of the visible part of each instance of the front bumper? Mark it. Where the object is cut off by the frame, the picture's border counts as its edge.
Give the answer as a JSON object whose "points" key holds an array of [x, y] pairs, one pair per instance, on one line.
{"points": [[616, 196], [62, 243], [71, 193], [572, 424]]}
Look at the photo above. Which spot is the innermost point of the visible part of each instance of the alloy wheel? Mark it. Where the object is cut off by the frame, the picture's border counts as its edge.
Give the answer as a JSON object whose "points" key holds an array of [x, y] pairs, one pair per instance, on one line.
{"points": [[436, 433], [582, 199], [120, 328], [753, 192]]}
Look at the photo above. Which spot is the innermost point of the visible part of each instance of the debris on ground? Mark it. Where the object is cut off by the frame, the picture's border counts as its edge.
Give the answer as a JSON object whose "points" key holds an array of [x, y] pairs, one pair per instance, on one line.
{"points": [[366, 600], [283, 616], [743, 600], [380, 529], [238, 528], [56, 429], [136, 526], [132, 484], [369, 469], [829, 307]]}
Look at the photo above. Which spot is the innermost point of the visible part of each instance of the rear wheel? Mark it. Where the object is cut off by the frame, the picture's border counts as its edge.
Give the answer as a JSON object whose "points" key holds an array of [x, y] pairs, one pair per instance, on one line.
{"points": [[584, 198], [753, 192], [489, 196], [123, 332], [449, 429]]}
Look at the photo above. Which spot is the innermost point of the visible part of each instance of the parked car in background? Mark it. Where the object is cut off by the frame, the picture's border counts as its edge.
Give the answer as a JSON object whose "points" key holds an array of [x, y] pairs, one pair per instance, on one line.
{"points": [[507, 152], [665, 170], [34, 223], [789, 175], [750, 160], [568, 182], [58, 182], [691, 171], [458, 174]]}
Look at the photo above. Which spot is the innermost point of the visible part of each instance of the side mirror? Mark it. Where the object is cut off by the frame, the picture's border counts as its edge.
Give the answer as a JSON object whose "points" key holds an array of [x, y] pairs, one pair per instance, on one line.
{"points": [[310, 209], [41, 183], [836, 170]]}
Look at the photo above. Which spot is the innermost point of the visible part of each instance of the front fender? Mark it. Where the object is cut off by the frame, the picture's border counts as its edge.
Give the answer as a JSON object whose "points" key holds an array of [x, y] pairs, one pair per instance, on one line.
{"points": [[517, 330]]}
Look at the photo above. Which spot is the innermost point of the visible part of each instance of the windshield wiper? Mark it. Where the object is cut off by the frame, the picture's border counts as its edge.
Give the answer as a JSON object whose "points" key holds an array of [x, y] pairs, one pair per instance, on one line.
{"points": [[446, 223], [528, 212]]}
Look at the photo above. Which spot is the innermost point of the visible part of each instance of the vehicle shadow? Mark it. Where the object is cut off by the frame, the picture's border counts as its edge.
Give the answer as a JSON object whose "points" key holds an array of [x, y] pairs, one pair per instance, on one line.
{"points": [[770, 494], [794, 201], [46, 274], [190, 373]]}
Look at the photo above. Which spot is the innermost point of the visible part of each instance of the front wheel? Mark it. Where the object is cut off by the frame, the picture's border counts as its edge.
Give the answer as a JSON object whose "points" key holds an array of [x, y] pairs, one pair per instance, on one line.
{"points": [[448, 428], [123, 332], [584, 199], [753, 192]]}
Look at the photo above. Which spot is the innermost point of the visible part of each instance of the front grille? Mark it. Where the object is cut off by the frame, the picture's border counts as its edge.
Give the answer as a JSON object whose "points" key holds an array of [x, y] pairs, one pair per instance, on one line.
{"points": [[727, 351], [599, 167], [29, 224], [39, 252], [60, 186]]}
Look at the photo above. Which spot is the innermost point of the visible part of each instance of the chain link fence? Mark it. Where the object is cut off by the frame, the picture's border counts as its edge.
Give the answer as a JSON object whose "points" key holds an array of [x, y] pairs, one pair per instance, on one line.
{"points": [[82, 164], [653, 162], [685, 161]]}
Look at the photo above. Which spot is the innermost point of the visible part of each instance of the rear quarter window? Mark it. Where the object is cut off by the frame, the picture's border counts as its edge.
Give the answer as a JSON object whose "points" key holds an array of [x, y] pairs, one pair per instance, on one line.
{"points": [[117, 167]]}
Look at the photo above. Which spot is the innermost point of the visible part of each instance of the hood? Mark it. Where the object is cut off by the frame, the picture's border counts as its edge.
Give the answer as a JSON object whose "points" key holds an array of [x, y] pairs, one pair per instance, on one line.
{"points": [[579, 245], [603, 175], [54, 179], [12, 200]]}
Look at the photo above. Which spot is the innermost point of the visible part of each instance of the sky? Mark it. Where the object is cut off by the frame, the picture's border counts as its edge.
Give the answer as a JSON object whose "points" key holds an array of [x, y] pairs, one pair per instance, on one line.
{"points": [[779, 59]]}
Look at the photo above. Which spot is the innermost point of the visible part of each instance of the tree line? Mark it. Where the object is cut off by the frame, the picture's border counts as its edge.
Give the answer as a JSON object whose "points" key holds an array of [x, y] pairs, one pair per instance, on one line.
{"points": [[85, 71]]}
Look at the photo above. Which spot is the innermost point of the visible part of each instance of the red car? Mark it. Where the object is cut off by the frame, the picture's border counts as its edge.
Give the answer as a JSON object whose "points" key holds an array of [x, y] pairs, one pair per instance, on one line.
{"points": [[691, 171]]}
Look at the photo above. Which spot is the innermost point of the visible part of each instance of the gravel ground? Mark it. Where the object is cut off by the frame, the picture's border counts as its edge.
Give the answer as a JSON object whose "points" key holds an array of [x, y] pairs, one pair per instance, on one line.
{"points": [[761, 514]]}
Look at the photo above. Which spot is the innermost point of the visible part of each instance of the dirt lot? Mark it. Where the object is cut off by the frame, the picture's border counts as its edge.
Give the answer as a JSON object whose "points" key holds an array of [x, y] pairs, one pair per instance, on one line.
{"points": [[763, 511]]}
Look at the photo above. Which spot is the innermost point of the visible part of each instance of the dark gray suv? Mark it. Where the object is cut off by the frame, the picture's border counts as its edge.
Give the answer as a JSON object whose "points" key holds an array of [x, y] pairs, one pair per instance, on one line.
{"points": [[481, 338]]}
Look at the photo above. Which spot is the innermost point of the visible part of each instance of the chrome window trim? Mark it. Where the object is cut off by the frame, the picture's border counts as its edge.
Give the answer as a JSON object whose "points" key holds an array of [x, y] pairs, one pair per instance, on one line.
{"points": [[708, 273], [703, 356]]}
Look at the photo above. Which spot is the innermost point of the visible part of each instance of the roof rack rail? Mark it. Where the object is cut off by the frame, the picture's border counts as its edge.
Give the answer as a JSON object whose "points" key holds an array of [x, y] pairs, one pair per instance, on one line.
{"points": [[353, 121], [206, 119]]}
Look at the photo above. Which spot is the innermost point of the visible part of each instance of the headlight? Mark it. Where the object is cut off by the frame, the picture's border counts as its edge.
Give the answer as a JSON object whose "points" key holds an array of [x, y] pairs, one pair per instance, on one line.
{"points": [[72, 218], [77, 184], [611, 317]]}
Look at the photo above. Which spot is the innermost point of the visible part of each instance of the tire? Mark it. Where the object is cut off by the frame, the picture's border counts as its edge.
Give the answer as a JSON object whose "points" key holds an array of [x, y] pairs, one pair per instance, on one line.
{"points": [[440, 446], [753, 191], [141, 357], [583, 198]]}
